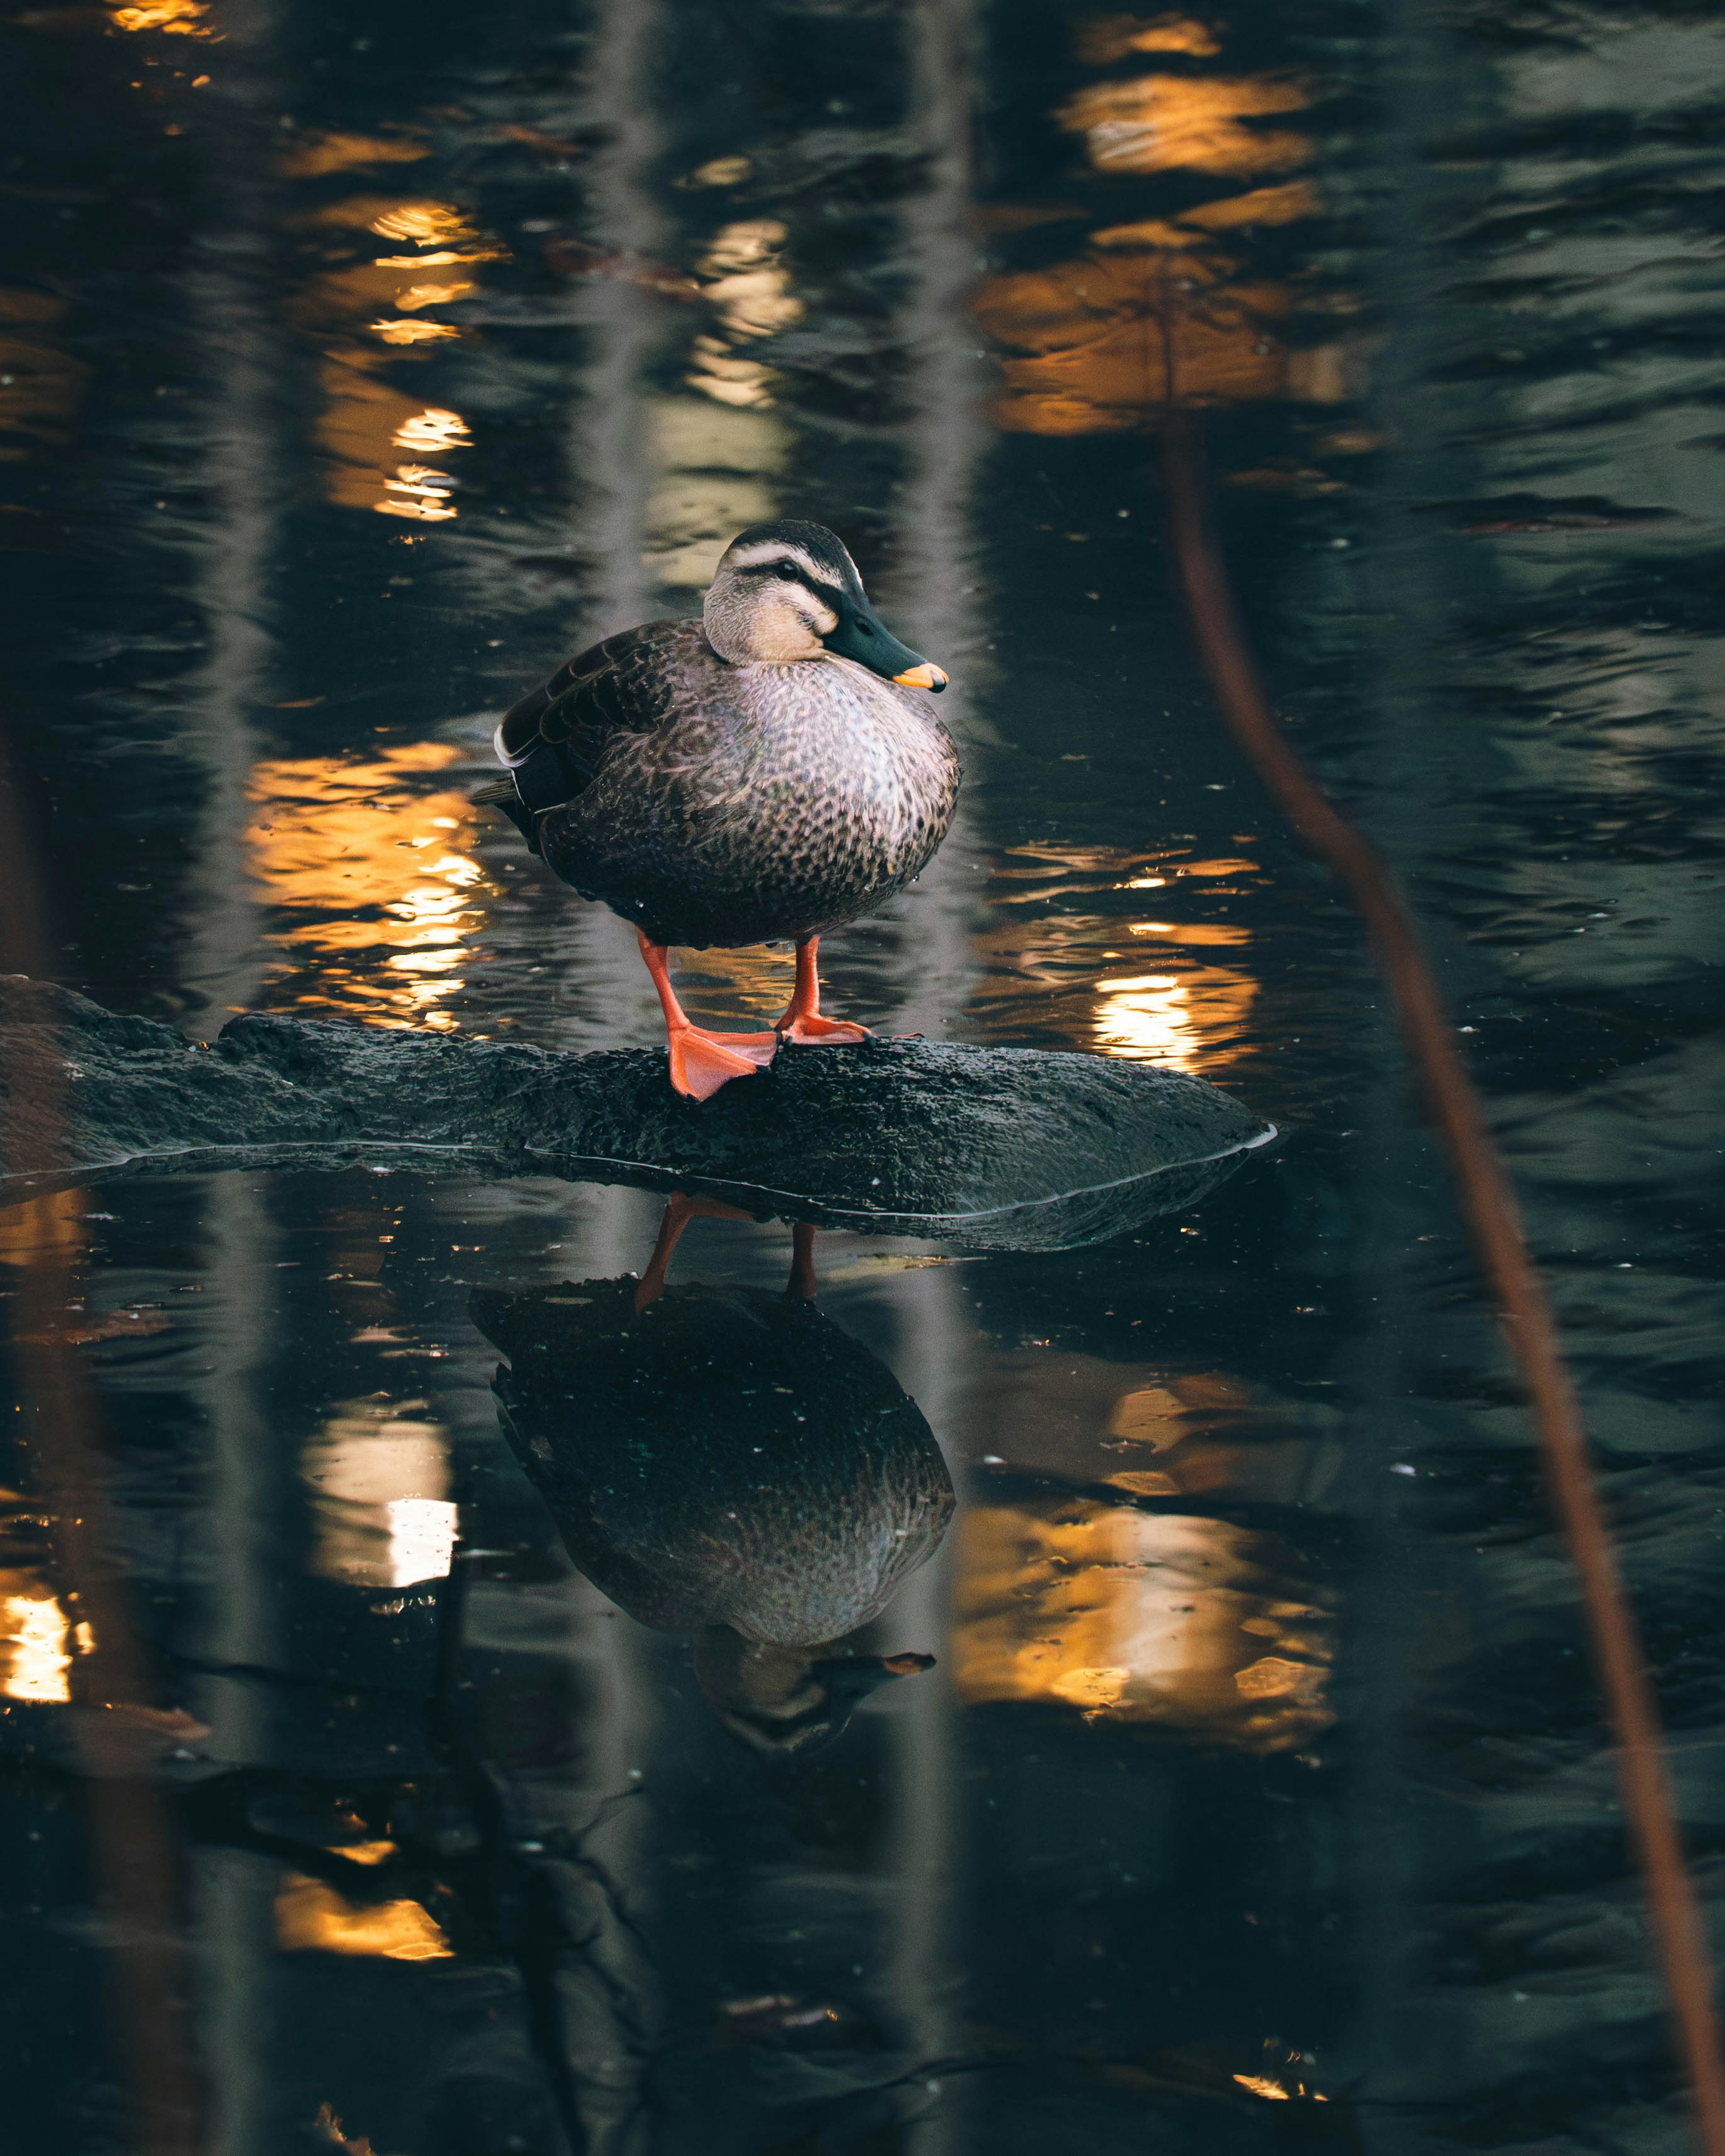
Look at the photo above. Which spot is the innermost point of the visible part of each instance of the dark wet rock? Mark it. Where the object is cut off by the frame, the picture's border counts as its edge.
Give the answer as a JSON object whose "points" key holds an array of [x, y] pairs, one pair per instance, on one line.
{"points": [[730, 1464], [1013, 1148]]}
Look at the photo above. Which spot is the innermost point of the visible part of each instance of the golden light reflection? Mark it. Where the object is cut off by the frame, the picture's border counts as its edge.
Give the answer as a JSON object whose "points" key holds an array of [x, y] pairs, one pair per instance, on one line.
{"points": [[46, 1225], [1039, 953], [312, 1917], [364, 424], [1109, 38], [719, 173], [311, 156], [403, 332], [431, 295], [364, 415], [384, 1518], [424, 494], [371, 874], [1152, 314], [432, 429], [1165, 1018], [1105, 339], [1262, 2085], [1159, 123], [750, 286], [439, 258], [1209, 1435], [742, 987], [1268, 206], [176, 18], [1139, 1617], [36, 1640], [431, 223]]}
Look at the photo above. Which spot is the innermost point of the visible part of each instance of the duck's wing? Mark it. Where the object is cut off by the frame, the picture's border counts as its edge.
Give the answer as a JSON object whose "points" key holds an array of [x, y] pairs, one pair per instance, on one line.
{"points": [[554, 739]]}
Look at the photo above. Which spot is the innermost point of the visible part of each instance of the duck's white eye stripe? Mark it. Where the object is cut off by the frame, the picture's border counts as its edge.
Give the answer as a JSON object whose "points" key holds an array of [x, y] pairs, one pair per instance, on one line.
{"points": [[766, 550], [779, 550]]}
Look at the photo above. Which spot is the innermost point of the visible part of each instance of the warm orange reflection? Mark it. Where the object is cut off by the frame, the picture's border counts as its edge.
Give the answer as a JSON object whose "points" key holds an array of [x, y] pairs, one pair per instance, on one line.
{"points": [[36, 1639], [310, 1917], [748, 985], [1182, 1621], [1263, 2085], [1159, 123], [382, 1476], [1145, 989], [1170, 1018], [41, 387], [373, 437], [750, 288], [430, 223], [43, 1226], [1102, 340], [1152, 1431], [431, 295], [405, 332], [179, 18], [1109, 38], [371, 872], [1263, 206], [367, 420], [312, 156], [432, 429], [1154, 314]]}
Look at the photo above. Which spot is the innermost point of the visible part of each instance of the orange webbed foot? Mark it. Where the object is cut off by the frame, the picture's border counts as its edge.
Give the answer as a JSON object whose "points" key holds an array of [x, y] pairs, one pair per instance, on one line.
{"points": [[701, 1063], [809, 1027]]}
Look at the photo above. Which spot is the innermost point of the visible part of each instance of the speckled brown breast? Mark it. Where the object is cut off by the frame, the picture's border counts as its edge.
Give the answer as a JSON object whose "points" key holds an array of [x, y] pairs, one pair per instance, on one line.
{"points": [[777, 801]]}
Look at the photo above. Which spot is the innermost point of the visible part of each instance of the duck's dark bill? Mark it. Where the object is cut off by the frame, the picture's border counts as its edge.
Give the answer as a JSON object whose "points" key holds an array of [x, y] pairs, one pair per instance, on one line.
{"points": [[860, 634]]}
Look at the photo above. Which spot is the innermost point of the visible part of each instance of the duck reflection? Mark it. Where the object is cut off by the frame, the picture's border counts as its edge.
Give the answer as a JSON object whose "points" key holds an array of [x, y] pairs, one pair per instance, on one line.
{"points": [[727, 1462]]}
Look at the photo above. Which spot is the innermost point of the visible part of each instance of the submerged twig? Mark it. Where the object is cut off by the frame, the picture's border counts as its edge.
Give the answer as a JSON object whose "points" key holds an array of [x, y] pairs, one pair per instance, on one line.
{"points": [[1488, 1201]]}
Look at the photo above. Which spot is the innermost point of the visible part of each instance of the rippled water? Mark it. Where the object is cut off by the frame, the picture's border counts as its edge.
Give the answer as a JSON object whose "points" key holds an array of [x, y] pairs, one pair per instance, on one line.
{"points": [[356, 365]]}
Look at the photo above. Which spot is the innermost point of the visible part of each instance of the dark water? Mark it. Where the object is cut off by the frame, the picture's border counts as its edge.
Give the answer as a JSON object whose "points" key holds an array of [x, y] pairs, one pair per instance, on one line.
{"points": [[347, 390]]}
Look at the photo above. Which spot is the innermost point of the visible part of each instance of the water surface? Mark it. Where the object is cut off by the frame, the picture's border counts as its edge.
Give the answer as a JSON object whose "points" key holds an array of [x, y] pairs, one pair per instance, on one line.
{"points": [[358, 367]]}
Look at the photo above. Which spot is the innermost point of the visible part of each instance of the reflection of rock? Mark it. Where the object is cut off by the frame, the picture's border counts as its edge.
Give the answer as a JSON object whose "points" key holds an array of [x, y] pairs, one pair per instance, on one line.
{"points": [[728, 1463], [1009, 1149]]}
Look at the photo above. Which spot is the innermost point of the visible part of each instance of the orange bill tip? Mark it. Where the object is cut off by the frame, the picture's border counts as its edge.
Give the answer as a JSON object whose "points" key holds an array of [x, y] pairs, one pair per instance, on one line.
{"points": [[924, 676]]}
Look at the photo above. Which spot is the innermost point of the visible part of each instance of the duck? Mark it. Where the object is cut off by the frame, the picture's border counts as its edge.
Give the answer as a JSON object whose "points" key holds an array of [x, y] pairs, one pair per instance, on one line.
{"points": [[728, 1464], [764, 772]]}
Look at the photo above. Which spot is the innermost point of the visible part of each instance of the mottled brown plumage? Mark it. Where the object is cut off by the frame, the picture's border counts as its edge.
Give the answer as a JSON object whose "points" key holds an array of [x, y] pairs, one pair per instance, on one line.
{"points": [[768, 773], [713, 802]]}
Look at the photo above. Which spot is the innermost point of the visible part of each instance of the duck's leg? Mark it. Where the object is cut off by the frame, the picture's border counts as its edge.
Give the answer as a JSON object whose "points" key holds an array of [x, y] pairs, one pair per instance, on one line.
{"points": [[701, 1062], [680, 1210], [802, 1020], [801, 1285]]}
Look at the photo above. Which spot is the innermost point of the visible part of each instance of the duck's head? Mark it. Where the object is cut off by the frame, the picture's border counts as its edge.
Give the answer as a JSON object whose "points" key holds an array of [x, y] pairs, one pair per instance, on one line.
{"points": [[790, 1700], [789, 591]]}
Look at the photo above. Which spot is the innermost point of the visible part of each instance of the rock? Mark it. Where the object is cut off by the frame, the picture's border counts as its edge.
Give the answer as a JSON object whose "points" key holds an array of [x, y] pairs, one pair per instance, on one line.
{"points": [[995, 1147]]}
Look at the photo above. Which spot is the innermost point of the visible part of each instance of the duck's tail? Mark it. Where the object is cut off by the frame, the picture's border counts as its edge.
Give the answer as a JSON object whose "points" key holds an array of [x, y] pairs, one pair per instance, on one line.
{"points": [[501, 793]]}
